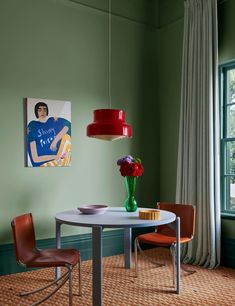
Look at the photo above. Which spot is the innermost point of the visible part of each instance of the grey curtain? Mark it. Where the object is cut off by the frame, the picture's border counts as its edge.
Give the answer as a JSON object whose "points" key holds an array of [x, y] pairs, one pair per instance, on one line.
{"points": [[198, 151]]}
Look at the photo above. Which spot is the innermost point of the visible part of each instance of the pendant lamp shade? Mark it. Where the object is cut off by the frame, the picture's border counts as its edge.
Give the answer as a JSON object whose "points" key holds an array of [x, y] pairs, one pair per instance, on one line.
{"points": [[109, 124]]}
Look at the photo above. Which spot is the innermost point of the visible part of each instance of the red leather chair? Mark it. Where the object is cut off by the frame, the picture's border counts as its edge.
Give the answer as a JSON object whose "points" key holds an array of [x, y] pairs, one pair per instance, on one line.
{"points": [[165, 236], [29, 256]]}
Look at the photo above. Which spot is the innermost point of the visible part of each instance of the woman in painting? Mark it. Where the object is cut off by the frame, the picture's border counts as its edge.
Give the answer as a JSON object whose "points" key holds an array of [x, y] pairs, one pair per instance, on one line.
{"points": [[48, 138]]}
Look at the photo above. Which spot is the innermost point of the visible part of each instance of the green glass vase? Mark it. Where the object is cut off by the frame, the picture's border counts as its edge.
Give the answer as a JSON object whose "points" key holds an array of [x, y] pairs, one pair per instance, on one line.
{"points": [[130, 203]]}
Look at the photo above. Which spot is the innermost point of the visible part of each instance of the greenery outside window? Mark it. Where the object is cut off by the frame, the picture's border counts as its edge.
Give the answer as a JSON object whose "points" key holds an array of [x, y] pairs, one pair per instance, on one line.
{"points": [[227, 98]]}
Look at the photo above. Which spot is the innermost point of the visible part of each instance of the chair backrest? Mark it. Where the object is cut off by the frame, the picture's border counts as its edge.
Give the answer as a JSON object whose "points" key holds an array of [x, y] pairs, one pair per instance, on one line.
{"points": [[186, 212], [24, 238]]}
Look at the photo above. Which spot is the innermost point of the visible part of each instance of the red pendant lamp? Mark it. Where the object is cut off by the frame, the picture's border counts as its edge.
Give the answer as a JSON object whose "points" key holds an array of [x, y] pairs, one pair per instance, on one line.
{"points": [[109, 124]]}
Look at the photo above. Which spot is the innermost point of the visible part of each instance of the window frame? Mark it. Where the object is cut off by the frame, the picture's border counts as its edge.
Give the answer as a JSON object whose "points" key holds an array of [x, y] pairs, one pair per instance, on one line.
{"points": [[224, 138]]}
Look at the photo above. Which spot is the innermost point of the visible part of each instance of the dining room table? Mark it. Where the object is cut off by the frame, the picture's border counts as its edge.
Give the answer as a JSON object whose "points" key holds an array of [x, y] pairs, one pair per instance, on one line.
{"points": [[113, 217]]}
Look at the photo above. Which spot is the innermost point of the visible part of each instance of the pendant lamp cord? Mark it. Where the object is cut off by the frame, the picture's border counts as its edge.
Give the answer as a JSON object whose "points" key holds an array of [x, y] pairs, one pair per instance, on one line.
{"points": [[110, 98]]}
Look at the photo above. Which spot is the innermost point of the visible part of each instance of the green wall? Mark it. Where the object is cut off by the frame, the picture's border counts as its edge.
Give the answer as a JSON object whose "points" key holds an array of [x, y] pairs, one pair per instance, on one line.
{"points": [[226, 31], [58, 49], [170, 11], [171, 39]]}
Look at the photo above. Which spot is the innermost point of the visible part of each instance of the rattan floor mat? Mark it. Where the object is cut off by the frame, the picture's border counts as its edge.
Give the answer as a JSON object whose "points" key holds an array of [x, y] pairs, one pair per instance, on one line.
{"points": [[153, 286]]}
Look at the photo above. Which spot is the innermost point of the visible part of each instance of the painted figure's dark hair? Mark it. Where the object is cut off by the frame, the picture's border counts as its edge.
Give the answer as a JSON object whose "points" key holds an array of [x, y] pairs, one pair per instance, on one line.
{"points": [[37, 107]]}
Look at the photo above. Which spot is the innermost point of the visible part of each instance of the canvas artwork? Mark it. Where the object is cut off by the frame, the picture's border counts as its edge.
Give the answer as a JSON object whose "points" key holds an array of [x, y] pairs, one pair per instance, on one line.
{"points": [[48, 133]]}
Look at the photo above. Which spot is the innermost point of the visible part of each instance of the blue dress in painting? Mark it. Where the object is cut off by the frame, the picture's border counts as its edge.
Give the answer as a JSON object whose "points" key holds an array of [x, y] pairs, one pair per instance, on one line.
{"points": [[43, 133]]}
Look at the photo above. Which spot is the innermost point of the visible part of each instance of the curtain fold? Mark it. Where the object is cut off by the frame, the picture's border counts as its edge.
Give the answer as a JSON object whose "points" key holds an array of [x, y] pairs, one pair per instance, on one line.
{"points": [[198, 151]]}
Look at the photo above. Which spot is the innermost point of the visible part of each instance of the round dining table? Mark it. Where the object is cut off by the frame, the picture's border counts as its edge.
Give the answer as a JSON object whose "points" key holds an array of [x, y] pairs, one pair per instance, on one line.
{"points": [[113, 217]]}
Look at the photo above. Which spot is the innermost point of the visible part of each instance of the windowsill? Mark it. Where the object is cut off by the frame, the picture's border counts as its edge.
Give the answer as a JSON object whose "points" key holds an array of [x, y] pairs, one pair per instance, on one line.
{"points": [[227, 216]]}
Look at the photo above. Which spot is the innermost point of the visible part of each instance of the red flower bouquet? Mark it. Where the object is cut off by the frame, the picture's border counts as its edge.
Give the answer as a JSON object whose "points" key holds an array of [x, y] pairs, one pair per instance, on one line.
{"points": [[130, 168]]}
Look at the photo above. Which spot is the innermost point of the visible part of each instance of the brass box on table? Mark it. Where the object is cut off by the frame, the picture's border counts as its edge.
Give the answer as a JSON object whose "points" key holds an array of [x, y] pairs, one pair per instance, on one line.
{"points": [[149, 214]]}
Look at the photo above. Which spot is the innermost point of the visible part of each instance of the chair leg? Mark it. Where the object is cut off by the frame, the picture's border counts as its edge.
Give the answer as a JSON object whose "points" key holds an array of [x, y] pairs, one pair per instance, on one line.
{"points": [[64, 278], [79, 276], [158, 264], [137, 247]]}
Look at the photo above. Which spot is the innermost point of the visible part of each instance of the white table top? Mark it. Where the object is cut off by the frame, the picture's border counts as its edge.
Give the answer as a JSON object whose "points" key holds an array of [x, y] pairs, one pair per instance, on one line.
{"points": [[114, 217]]}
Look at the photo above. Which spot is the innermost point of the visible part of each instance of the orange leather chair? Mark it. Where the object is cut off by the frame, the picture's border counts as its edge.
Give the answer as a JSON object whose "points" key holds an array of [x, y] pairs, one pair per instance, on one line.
{"points": [[165, 236], [28, 256]]}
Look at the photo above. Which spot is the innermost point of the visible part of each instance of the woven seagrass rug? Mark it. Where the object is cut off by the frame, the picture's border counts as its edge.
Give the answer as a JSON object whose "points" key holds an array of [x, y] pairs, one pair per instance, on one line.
{"points": [[153, 286]]}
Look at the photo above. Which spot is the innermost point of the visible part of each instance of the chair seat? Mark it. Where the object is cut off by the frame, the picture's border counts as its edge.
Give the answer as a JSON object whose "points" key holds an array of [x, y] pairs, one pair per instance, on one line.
{"points": [[165, 238], [54, 258]]}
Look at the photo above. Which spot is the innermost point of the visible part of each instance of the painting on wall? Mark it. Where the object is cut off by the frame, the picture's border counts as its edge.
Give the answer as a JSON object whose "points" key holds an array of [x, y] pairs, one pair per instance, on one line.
{"points": [[48, 133]]}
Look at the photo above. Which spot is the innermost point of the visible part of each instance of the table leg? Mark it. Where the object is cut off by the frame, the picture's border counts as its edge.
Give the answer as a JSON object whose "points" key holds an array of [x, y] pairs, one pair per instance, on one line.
{"points": [[97, 265], [178, 253], [127, 247], [58, 246]]}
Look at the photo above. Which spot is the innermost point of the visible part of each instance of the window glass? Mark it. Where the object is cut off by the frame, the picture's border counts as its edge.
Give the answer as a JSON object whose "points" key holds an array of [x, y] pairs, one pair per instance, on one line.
{"points": [[230, 157], [230, 194], [231, 86], [231, 120], [227, 95]]}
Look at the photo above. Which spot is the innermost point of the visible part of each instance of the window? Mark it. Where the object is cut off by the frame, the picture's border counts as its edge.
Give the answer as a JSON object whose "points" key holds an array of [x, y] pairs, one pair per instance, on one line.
{"points": [[227, 94]]}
